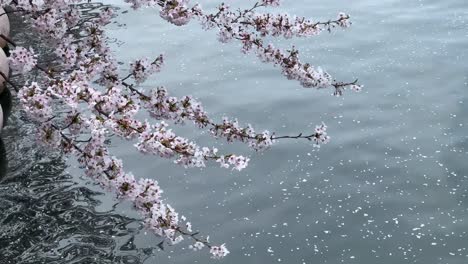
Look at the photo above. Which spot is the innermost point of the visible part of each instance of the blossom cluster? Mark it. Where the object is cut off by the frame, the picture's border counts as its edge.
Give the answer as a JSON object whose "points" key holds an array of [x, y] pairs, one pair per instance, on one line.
{"points": [[271, 2], [177, 12], [22, 59], [219, 251], [36, 102], [320, 136], [231, 130], [143, 68], [84, 101], [160, 140]]}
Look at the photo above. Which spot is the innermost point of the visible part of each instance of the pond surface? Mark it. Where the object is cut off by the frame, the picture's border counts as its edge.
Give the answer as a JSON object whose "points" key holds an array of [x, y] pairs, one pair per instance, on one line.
{"points": [[391, 187]]}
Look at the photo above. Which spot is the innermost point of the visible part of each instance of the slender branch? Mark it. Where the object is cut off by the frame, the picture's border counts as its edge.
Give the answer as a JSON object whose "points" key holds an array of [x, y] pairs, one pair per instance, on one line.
{"points": [[9, 82], [7, 39], [12, 11]]}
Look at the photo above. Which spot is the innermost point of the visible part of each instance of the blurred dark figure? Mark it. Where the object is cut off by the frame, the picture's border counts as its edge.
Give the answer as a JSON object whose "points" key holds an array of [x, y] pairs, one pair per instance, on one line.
{"points": [[6, 103], [3, 160]]}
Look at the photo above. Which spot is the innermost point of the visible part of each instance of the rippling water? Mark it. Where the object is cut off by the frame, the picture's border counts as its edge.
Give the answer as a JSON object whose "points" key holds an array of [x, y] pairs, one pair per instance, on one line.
{"points": [[391, 187]]}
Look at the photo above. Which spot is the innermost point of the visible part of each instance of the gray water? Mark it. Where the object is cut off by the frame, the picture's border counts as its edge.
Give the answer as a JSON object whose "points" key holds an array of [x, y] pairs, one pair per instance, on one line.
{"points": [[391, 186]]}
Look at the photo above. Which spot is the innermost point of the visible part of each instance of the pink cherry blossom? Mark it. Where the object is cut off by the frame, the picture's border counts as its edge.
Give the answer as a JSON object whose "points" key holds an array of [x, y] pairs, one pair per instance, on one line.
{"points": [[83, 100], [22, 59]]}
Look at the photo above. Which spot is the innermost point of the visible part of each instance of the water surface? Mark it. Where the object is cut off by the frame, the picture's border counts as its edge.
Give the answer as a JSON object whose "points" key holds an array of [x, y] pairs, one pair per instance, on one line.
{"points": [[390, 188]]}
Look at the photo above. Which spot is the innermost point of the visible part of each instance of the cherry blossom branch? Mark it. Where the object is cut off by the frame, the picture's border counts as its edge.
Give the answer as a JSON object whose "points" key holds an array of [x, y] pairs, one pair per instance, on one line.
{"points": [[283, 25], [87, 83], [143, 199], [229, 26], [161, 106]]}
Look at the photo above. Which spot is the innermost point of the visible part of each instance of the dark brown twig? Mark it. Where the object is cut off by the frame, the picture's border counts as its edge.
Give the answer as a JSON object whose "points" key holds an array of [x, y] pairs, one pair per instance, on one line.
{"points": [[9, 82]]}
